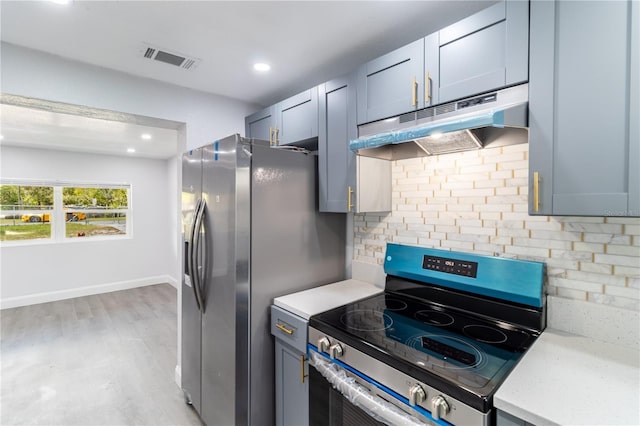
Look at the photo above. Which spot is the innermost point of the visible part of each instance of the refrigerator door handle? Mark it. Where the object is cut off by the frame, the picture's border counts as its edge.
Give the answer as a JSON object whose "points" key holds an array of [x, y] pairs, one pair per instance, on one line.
{"points": [[197, 234], [191, 258]]}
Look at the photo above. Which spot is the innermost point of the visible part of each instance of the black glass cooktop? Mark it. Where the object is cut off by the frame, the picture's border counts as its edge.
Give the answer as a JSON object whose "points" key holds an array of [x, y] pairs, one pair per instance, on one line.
{"points": [[464, 355]]}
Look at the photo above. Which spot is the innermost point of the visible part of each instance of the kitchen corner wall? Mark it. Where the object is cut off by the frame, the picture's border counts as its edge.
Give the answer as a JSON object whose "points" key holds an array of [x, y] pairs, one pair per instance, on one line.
{"points": [[476, 201]]}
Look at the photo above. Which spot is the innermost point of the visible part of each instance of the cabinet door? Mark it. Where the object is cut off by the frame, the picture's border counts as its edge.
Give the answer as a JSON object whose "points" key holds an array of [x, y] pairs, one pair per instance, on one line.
{"points": [[297, 118], [260, 125], [584, 147], [292, 387], [485, 51], [392, 84], [336, 162]]}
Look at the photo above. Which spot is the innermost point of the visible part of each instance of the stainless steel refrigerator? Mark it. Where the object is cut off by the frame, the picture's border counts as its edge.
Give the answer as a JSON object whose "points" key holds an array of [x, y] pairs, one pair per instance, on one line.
{"points": [[252, 232]]}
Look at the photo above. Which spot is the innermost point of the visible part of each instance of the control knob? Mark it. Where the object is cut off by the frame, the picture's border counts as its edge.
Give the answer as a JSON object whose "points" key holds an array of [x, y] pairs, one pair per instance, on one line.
{"points": [[335, 351], [323, 344], [439, 407], [416, 395]]}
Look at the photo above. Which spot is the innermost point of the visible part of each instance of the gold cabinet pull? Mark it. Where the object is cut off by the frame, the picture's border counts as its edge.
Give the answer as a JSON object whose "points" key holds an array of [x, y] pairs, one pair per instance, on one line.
{"points": [[302, 375], [285, 329], [349, 194], [536, 191], [414, 92], [427, 88], [277, 138], [270, 135]]}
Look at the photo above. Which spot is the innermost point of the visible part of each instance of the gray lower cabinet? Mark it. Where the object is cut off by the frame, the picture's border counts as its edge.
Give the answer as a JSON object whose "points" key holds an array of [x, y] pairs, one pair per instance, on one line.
{"points": [[347, 183], [506, 419], [297, 118], [584, 148], [261, 124], [486, 51], [391, 84], [291, 368]]}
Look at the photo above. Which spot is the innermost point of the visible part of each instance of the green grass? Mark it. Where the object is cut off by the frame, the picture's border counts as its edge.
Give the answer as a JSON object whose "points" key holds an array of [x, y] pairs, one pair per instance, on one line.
{"points": [[24, 232], [43, 230]]}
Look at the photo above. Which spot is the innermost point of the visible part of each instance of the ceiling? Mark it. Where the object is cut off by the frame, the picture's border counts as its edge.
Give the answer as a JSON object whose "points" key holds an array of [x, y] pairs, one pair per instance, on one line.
{"points": [[305, 42]]}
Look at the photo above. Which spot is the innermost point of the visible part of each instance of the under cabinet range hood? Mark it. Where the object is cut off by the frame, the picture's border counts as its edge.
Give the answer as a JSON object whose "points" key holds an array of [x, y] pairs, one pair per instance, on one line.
{"points": [[492, 119]]}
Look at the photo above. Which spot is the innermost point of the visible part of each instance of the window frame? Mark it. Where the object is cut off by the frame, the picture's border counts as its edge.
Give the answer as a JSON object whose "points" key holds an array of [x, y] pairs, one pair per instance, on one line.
{"points": [[58, 212]]}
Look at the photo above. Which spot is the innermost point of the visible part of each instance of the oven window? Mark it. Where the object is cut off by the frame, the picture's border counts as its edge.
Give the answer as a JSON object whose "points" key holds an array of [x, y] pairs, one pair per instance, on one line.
{"points": [[327, 407]]}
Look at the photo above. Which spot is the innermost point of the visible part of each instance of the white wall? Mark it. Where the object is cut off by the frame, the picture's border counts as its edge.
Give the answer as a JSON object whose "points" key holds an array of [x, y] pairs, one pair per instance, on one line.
{"points": [[40, 272], [39, 75]]}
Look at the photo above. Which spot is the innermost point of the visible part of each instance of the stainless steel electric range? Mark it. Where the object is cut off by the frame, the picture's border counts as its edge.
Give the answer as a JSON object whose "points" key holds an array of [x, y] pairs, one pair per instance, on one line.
{"points": [[433, 348]]}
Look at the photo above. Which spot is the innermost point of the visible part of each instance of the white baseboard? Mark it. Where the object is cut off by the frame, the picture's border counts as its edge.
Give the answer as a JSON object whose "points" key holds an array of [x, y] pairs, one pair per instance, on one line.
{"points": [[52, 296], [174, 282], [178, 376]]}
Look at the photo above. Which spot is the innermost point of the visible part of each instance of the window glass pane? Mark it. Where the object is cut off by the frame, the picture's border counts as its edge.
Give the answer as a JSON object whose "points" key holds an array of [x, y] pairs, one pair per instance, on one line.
{"points": [[20, 227], [95, 224], [95, 198], [20, 197], [25, 212]]}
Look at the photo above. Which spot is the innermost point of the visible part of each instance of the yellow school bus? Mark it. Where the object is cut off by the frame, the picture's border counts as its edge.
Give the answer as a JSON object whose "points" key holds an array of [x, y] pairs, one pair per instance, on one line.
{"points": [[46, 217]]}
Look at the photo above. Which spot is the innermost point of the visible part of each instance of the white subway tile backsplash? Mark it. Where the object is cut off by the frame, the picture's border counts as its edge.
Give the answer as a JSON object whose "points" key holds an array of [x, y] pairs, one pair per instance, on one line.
{"points": [[623, 250], [477, 201], [571, 294], [612, 259]]}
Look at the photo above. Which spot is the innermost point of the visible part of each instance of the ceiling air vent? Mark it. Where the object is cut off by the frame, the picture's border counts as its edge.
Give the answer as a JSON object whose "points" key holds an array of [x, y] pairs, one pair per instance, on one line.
{"points": [[169, 57]]}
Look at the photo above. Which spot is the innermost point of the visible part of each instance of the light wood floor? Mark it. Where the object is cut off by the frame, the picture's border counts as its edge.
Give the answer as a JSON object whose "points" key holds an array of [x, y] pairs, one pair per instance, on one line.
{"points": [[107, 359]]}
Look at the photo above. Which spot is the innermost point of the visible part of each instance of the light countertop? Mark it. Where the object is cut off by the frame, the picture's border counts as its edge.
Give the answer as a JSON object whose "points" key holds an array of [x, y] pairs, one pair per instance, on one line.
{"points": [[316, 300], [567, 379]]}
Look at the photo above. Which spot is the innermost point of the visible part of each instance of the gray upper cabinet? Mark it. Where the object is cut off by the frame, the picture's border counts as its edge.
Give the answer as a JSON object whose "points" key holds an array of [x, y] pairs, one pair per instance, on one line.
{"points": [[261, 124], [336, 162], [486, 51], [297, 118], [293, 121], [391, 84], [584, 129], [347, 183]]}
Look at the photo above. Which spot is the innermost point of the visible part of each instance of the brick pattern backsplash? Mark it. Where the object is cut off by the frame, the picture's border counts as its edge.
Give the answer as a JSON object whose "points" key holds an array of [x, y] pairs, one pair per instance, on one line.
{"points": [[476, 201]]}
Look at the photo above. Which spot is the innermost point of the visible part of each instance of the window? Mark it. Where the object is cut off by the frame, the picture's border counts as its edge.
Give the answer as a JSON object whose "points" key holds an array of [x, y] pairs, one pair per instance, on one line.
{"points": [[91, 212], [63, 211]]}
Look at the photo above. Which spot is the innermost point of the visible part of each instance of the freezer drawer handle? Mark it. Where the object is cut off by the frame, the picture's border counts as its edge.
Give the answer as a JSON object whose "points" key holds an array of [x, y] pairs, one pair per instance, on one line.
{"points": [[285, 329]]}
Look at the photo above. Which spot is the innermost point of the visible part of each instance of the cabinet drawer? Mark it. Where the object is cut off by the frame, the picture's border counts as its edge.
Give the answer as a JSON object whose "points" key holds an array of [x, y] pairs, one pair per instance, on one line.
{"points": [[289, 328]]}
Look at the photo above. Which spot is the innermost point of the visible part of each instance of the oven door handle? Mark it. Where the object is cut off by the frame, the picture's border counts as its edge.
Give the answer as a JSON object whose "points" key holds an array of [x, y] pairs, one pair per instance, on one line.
{"points": [[359, 396]]}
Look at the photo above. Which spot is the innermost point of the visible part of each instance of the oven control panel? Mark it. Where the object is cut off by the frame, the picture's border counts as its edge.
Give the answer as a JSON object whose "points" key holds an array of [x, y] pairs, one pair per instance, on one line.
{"points": [[450, 266]]}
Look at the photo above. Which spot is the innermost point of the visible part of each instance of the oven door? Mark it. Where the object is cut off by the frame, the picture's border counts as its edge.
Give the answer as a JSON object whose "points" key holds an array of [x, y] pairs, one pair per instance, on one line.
{"points": [[339, 397], [327, 406]]}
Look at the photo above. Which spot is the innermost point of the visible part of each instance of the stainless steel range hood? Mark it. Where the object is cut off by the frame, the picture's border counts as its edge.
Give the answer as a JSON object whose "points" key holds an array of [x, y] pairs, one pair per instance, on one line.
{"points": [[492, 119]]}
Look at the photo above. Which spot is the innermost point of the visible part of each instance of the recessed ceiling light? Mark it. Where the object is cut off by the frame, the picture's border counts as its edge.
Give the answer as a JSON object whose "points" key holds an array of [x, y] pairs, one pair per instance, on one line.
{"points": [[261, 67], [145, 136], [1, 137], [60, 1], [131, 150]]}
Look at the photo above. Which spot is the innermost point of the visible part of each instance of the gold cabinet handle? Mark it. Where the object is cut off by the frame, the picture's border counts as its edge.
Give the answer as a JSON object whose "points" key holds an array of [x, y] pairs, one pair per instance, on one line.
{"points": [[349, 194], [277, 138], [302, 375], [285, 329], [414, 92], [536, 191], [270, 136], [427, 88]]}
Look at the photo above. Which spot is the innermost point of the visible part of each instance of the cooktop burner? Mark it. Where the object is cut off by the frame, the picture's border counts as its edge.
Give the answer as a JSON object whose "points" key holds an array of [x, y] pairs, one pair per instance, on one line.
{"points": [[483, 333], [392, 304], [366, 320]]}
